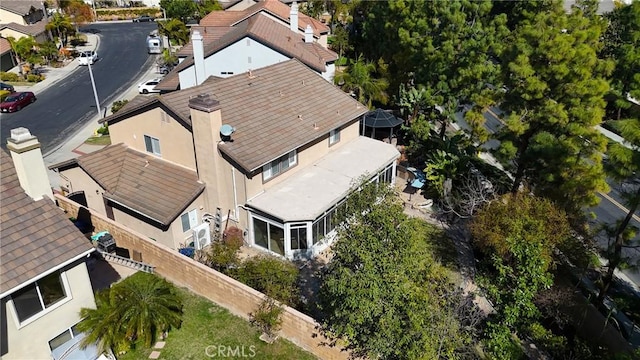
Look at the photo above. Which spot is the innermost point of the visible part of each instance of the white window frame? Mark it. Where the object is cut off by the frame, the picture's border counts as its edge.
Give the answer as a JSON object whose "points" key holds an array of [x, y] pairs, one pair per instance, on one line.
{"points": [[192, 217], [155, 150], [287, 244], [334, 136], [45, 311], [69, 331], [276, 168]]}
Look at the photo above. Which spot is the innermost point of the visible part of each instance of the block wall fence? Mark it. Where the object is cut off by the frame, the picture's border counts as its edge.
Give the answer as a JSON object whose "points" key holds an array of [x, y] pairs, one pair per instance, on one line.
{"points": [[183, 271]]}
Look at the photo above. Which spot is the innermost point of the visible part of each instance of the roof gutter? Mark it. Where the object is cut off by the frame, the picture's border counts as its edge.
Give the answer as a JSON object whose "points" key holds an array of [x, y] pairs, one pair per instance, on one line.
{"points": [[134, 210], [50, 271]]}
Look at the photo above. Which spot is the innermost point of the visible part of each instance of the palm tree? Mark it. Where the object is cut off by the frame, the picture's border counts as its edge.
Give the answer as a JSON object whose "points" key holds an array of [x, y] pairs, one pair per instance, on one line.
{"points": [[358, 79], [134, 310], [61, 26]]}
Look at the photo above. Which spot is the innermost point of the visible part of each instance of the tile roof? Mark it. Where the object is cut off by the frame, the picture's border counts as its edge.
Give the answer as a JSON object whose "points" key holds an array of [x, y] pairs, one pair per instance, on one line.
{"points": [[273, 7], [20, 7], [33, 29], [273, 110], [279, 38], [170, 82], [136, 180], [209, 35], [5, 46], [36, 235], [264, 109]]}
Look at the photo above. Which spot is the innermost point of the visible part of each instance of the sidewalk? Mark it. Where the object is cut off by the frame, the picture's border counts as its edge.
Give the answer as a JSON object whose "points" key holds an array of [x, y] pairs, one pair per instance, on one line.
{"points": [[74, 146], [53, 75]]}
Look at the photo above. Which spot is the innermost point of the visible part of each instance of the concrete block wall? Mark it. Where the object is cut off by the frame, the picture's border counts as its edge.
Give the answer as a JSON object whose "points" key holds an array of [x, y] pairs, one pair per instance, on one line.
{"points": [[229, 293]]}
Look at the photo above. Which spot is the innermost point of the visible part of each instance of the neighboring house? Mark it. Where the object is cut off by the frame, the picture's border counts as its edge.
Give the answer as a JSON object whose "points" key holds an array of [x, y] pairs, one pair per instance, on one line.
{"points": [[237, 5], [45, 281], [277, 148], [7, 60], [233, 42], [23, 18]]}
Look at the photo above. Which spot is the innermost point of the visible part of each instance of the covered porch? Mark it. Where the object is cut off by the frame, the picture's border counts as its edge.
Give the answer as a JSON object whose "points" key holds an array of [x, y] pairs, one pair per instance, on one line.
{"points": [[296, 219]]}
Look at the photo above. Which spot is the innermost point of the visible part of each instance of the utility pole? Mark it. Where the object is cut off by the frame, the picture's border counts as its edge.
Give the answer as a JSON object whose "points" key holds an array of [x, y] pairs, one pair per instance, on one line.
{"points": [[95, 93]]}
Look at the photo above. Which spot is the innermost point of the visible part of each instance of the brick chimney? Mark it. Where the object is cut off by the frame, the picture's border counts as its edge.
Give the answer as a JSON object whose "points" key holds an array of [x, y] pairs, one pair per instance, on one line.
{"points": [[27, 159], [198, 57], [206, 121], [308, 34], [293, 17]]}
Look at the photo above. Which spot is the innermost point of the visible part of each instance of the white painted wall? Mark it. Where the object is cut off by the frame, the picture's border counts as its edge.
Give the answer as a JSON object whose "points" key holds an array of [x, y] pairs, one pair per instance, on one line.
{"points": [[330, 72], [237, 58]]}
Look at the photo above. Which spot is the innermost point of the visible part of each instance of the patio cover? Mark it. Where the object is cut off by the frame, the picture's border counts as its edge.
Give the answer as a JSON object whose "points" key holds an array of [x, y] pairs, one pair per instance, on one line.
{"points": [[313, 190]]}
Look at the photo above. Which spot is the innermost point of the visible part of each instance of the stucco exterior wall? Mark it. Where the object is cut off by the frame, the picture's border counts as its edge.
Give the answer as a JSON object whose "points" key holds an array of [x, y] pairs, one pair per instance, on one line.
{"points": [[236, 58], [75, 179], [31, 341], [176, 142], [330, 72], [9, 17]]}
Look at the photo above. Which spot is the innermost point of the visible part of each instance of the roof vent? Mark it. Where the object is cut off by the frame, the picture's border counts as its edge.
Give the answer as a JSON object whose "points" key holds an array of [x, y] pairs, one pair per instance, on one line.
{"points": [[225, 132]]}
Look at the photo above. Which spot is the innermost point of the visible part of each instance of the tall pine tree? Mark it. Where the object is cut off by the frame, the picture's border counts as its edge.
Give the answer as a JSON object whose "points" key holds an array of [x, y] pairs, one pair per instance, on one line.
{"points": [[554, 89]]}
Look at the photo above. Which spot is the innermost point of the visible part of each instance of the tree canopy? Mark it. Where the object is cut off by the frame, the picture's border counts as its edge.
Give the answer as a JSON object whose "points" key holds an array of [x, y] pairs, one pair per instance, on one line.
{"points": [[553, 96], [134, 310], [383, 292]]}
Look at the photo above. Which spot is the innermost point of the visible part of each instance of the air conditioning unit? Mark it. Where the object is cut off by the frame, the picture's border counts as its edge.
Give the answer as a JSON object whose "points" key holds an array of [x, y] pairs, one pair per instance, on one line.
{"points": [[201, 236]]}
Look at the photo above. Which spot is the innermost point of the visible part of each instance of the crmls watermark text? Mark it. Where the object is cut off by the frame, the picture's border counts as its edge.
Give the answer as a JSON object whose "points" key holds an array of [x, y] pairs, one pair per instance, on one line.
{"points": [[226, 351]]}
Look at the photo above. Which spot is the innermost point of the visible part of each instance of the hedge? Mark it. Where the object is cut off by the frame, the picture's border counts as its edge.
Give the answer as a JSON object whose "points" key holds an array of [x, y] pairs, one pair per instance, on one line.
{"points": [[126, 14]]}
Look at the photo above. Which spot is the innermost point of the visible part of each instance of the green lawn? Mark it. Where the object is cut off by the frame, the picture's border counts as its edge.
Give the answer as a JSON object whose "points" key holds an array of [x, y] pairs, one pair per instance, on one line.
{"points": [[98, 140], [208, 327]]}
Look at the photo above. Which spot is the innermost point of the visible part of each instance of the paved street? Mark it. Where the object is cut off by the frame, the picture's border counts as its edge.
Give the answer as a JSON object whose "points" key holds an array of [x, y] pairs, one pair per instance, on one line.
{"points": [[68, 105]]}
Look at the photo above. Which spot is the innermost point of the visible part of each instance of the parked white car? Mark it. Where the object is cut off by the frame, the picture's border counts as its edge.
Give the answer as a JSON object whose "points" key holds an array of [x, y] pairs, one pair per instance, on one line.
{"points": [[87, 58], [149, 86]]}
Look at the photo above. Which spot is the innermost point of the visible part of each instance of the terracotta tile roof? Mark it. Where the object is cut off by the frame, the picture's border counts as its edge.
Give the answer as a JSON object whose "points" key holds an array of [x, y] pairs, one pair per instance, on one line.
{"points": [[209, 35], [170, 82], [265, 110], [275, 36], [273, 7], [5, 46], [33, 29], [20, 7], [36, 235], [136, 180]]}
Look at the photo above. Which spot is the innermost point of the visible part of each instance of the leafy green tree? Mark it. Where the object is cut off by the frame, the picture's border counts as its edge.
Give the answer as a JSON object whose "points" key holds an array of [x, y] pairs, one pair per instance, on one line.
{"points": [[554, 91], [182, 10], [520, 235], [445, 46], [133, 311], [204, 7], [622, 44], [340, 41], [623, 164], [447, 159], [48, 51], [360, 78], [383, 293]]}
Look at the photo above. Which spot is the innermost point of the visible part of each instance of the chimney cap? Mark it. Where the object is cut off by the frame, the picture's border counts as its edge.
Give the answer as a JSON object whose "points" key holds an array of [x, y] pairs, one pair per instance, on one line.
{"points": [[204, 102], [21, 134]]}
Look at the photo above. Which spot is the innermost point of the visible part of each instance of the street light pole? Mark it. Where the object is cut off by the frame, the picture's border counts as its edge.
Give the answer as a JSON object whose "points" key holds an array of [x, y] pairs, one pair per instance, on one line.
{"points": [[95, 93]]}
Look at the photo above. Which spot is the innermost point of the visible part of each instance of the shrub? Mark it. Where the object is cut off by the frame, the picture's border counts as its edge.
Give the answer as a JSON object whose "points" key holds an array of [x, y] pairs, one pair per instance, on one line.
{"points": [[9, 76], [267, 318], [272, 276], [35, 78], [117, 105], [103, 130], [223, 255]]}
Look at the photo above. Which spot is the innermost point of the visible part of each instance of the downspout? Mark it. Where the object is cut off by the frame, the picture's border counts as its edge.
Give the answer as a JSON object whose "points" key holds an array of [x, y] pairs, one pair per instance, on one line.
{"points": [[235, 195]]}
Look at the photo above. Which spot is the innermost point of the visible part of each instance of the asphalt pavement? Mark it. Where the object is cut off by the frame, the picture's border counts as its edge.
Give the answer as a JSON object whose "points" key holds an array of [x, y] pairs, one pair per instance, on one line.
{"points": [[73, 146]]}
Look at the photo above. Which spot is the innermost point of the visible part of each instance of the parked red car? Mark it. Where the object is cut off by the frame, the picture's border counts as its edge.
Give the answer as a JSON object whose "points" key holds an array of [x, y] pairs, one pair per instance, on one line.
{"points": [[17, 101]]}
